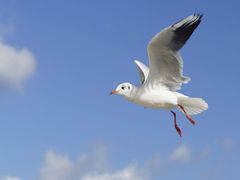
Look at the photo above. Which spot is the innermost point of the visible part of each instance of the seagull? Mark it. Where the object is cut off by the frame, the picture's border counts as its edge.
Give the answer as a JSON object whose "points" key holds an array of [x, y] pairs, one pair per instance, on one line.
{"points": [[164, 76]]}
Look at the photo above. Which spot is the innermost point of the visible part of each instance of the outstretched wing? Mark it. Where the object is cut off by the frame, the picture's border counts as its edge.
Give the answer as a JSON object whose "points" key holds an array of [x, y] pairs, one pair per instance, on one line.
{"points": [[166, 66]]}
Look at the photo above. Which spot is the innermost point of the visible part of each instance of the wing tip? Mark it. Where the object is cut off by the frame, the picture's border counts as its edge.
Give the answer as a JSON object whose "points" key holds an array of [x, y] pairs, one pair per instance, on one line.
{"points": [[185, 79], [198, 15], [195, 18], [136, 61]]}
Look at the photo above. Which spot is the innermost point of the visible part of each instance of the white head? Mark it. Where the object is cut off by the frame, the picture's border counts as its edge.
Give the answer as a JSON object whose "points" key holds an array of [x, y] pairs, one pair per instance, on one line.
{"points": [[123, 89]]}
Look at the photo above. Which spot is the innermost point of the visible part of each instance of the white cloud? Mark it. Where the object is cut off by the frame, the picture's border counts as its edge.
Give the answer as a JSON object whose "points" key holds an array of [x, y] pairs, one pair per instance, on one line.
{"points": [[87, 167], [56, 167], [181, 154], [95, 166], [16, 66], [9, 178], [128, 173]]}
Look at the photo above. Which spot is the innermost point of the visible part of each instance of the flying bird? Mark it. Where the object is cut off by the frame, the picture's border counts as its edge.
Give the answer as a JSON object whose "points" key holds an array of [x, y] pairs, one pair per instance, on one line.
{"points": [[164, 76]]}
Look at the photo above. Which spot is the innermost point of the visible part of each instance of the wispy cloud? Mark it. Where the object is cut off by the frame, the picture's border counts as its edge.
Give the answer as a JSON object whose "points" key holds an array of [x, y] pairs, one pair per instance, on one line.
{"points": [[9, 178], [131, 172], [6, 28], [228, 143], [181, 154]]}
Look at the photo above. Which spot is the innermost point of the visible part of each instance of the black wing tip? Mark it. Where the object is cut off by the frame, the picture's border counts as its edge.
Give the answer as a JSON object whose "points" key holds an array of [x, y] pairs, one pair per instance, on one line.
{"points": [[199, 15], [193, 22], [196, 16]]}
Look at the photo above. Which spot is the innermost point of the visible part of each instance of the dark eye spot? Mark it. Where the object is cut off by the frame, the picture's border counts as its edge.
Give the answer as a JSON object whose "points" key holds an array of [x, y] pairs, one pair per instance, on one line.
{"points": [[128, 87], [123, 87]]}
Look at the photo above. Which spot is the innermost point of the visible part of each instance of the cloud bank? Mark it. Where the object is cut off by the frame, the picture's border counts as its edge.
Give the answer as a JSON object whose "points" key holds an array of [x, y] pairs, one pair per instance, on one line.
{"points": [[95, 166]]}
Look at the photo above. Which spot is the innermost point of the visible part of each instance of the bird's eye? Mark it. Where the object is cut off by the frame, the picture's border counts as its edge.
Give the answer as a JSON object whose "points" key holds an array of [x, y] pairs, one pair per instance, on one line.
{"points": [[123, 87], [128, 87]]}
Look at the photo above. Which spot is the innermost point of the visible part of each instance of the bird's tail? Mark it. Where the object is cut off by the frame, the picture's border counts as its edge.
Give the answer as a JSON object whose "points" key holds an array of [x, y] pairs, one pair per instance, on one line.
{"points": [[192, 105]]}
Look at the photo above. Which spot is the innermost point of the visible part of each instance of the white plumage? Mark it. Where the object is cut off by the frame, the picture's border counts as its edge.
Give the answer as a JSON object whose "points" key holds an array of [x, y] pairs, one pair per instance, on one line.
{"points": [[165, 73]]}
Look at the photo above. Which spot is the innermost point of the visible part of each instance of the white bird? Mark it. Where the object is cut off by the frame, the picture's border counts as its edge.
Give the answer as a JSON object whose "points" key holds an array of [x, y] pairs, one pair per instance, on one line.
{"points": [[165, 73]]}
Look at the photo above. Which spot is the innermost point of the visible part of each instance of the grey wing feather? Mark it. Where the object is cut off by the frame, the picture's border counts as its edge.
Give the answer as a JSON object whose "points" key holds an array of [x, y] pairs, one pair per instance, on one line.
{"points": [[166, 66]]}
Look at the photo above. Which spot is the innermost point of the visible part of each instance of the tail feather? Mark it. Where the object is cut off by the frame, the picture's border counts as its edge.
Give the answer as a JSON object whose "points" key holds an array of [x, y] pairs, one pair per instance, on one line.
{"points": [[192, 105]]}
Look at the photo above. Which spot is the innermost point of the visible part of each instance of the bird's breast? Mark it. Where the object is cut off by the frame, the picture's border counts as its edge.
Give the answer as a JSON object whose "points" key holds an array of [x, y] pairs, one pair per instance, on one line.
{"points": [[156, 99]]}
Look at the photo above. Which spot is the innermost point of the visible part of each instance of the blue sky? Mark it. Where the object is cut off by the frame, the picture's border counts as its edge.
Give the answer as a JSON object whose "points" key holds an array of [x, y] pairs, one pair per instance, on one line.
{"points": [[60, 59]]}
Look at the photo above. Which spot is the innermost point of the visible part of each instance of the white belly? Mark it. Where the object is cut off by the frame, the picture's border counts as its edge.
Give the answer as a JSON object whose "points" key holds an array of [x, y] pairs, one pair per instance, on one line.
{"points": [[156, 99]]}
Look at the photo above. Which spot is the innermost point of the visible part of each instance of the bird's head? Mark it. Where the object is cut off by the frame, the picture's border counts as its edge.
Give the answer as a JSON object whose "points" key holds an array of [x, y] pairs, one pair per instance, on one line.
{"points": [[123, 89]]}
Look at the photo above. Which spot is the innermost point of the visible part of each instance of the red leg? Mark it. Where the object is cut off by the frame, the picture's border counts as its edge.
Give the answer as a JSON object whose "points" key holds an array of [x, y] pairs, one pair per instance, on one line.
{"points": [[175, 124], [187, 116]]}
